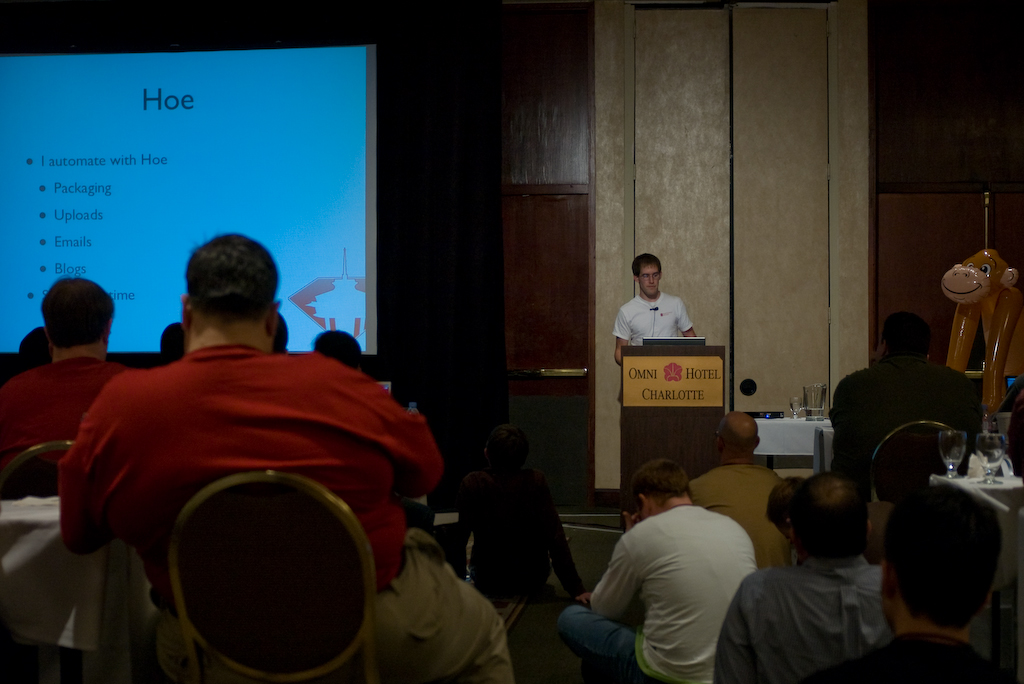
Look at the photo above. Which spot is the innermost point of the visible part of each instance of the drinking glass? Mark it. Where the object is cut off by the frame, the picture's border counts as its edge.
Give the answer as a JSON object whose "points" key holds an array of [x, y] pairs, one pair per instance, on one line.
{"points": [[992, 446], [795, 405], [952, 444], [814, 401]]}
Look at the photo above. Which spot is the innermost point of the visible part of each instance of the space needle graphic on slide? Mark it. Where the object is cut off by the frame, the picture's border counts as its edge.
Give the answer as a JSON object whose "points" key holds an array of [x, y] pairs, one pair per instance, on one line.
{"points": [[335, 303]]}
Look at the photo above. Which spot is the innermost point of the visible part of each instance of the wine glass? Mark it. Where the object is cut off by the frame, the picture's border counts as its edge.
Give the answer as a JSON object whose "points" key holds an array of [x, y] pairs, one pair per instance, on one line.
{"points": [[992, 446], [795, 406], [952, 444]]}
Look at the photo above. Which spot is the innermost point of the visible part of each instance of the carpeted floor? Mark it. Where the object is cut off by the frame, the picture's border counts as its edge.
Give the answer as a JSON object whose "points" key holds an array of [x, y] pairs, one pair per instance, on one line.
{"points": [[509, 609], [538, 655]]}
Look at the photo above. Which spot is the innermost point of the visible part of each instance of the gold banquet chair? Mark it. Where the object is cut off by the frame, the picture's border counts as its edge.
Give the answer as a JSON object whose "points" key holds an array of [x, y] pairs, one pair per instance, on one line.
{"points": [[273, 578], [905, 458], [29, 475]]}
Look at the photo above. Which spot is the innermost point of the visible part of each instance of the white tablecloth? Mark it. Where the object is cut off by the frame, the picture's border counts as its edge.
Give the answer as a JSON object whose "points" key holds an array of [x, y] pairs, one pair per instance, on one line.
{"points": [[48, 595], [97, 603], [788, 437], [1006, 499]]}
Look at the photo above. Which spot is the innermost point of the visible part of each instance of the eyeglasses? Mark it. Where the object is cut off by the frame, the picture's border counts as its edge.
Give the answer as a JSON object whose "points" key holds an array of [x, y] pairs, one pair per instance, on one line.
{"points": [[650, 276]]}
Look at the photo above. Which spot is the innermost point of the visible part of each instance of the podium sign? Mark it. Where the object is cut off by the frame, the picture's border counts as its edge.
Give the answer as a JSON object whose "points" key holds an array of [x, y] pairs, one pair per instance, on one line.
{"points": [[672, 401], [672, 381]]}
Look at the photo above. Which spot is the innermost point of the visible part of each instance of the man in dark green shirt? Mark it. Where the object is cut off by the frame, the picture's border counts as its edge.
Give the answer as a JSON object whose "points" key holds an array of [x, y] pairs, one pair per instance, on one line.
{"points": [[902, 387]]}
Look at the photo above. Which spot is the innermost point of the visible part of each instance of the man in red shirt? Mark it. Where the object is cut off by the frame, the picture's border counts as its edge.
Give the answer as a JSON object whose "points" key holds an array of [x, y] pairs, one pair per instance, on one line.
{"points": [[47, 403], [154, 438]]}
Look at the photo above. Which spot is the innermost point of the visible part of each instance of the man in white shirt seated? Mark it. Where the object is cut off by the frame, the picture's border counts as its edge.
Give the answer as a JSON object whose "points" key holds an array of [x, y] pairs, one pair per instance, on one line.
{"points": [[651, 313], [686, 562], [786, 623]]}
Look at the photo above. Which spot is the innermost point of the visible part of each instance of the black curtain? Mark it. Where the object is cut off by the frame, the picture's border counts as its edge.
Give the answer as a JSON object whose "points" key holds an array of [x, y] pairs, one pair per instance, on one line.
{"points": [[439, 249]]}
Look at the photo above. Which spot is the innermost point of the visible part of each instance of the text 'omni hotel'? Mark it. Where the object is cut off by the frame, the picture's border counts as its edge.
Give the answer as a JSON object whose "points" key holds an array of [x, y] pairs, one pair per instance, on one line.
{"points": [[672, 381]]}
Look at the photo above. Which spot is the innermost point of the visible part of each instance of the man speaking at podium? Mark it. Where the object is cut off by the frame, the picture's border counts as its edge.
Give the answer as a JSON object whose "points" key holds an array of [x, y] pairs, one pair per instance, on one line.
{"points": [[651, 313]]}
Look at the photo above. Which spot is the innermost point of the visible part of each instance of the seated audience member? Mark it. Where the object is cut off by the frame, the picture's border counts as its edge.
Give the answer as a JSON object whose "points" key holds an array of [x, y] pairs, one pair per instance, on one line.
{"points": [[739, 488], [686, 563], [517, 534], [929, 611], [172, 344], [778, 504], [34, 350], [778, 512], [281, 336], [1015, 435], [333, 344], [341, 346], [134, 466], [786, 623], [47, 403], [902, 387]]}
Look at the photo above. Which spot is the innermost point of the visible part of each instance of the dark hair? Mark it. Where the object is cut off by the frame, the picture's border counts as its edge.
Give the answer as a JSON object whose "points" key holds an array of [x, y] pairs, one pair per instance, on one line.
{"points": [[34, 350], [660, 479], [233, 277], [339, 345], [944, 547], [172, 343], [906, 332], [507, 448], [76, 311], [829, 517], [645, 260], [281, 336], [779, 499]]}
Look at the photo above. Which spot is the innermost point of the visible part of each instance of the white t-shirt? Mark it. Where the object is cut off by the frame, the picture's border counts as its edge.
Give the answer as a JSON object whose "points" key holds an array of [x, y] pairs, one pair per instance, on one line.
{"points": [[687, 563], [637, 319]]}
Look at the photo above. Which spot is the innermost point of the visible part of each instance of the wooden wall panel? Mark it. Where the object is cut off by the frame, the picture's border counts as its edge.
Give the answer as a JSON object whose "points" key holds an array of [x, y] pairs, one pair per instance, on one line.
{"points": [[1008, 228], [545, 114], [781, 232], [920, 236], [1007, 237], [547, 218], [546, 280], [948, 91]]}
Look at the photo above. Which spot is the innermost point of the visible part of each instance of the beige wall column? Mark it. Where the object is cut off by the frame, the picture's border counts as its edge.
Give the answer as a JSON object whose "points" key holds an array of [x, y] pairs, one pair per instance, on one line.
{"points": [[682, 159], [609, 75], [781, 232], [849, 204], [800, 112]]}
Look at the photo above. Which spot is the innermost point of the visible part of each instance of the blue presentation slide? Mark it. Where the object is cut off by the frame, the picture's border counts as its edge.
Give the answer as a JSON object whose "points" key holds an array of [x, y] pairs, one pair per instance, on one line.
{"points": [[115, 167]]}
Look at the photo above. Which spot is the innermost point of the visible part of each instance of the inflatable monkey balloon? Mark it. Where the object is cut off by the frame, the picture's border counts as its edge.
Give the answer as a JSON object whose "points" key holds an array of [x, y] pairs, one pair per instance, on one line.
{"points": [[982, 287]]}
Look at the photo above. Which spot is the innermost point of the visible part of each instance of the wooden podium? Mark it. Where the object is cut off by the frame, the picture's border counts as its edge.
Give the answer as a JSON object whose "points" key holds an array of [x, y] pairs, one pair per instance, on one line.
{"points": [[673, 398]]}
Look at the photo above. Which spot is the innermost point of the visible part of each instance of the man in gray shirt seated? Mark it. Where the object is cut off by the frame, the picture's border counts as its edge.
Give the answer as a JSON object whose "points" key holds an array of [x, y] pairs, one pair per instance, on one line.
{"points": [[786, 623], [930, 612]]}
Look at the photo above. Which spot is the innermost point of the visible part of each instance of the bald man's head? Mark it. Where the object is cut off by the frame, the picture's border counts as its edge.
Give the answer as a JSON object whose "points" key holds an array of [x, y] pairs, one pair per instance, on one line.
{"points": [[737, 438]]}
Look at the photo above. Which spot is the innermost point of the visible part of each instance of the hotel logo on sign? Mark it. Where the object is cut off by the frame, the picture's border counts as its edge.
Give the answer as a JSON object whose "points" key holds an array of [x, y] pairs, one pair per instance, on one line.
{"points": [[672, 381]]}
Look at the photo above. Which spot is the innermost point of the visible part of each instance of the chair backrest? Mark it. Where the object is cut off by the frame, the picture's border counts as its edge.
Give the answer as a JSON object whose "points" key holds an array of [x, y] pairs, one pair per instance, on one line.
{"points": [[878, 516], [274, 578], [905, 458], [29, 475]]}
